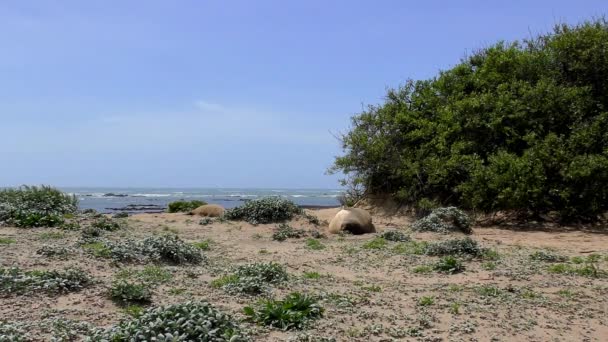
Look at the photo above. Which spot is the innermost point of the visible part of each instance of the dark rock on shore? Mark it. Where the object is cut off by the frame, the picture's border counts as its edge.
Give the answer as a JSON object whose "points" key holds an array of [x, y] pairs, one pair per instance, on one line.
{"points": [[111, 194], [140, 208]]}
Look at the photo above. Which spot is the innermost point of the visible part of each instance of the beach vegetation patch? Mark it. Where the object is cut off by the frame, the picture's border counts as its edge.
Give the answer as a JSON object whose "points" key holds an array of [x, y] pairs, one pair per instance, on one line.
{"points": [[284, 231], [163, 248], [33, 206], [466, 246], [264, 210], [184, 206], [314, 244], [252, 279], [17, 281], [105, 224], [395, 235], [292, 312], [547, 256], [448, 264], [190, 321], [6, 241], [126, 292], [444, 220], [51, 251]]}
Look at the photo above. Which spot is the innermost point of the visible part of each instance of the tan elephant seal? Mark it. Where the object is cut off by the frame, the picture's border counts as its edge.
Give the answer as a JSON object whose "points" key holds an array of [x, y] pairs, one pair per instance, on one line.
{"points": [[210, 210], [354, 220]]}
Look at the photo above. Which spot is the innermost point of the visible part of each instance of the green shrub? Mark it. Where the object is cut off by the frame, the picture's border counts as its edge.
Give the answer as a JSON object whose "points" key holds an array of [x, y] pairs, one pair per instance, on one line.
{"points": [[53, 251], [426, 301], [285, 231], [163, 248], [31, 206], [203, 245], [128, 292], [410, 247], [466, 246], [17, 281], [190, 321], [148, 275], [376, 243], [312, 275], [444, 220], [264, 210], [448, 264], [184, 206], [422, 269], [488, 291], [120, 215], [252, 279], [13, 332], [293, 312], [395, 235], [133, 310], [91, 232], [314, 244], [587, 270], [547, 256], [97, 248], [70, 225], [205, 221], [513, 126], [6, 241], [106, 224], [170, 248], [51, 236]]}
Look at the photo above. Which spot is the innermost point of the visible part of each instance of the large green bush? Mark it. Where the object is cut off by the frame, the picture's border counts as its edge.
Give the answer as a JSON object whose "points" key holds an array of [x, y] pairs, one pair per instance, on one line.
{"points": [[515, 126], [32, 206]]}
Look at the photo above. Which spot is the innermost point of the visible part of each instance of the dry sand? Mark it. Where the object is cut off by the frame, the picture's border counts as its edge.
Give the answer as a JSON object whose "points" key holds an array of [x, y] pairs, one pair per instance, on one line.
{"points": [[368, 294]]}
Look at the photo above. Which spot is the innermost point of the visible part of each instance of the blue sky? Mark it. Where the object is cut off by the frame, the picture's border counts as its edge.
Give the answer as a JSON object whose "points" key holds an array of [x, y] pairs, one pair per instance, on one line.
{"points": [[221, 93]]}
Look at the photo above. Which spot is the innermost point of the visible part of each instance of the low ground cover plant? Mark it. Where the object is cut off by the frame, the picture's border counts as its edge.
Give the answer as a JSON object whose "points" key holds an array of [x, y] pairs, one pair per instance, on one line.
{"points": [[151, 274], [547, 256], [190, 321], [52, 251], [293, 312], [466, 246], [252, 279], [588, 269], [32, 206], [6, 241], [184, 206], [395, 235], [17, 281], [448, 264], [126, 292], [314, 244], [284, 231], [264, 210], [162, 248], [106, 224], [444, 220], [170, 248]]}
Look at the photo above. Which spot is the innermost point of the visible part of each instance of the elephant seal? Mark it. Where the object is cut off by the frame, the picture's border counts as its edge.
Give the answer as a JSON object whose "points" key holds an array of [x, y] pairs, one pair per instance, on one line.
{"points": [[210, 210], [354, 220]]}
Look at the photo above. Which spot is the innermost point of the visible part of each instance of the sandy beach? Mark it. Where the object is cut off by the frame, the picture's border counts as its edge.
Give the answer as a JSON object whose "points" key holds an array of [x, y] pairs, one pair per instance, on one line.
{"points": [[370, 292]]}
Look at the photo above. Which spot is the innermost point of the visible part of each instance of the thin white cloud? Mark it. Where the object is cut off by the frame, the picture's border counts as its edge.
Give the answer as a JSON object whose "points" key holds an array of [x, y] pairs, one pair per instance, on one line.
{"points": [[209, 106]]}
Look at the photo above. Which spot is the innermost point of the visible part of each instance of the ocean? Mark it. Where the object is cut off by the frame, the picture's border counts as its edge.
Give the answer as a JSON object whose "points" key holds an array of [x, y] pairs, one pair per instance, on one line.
{"points": [[108, 200]]}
